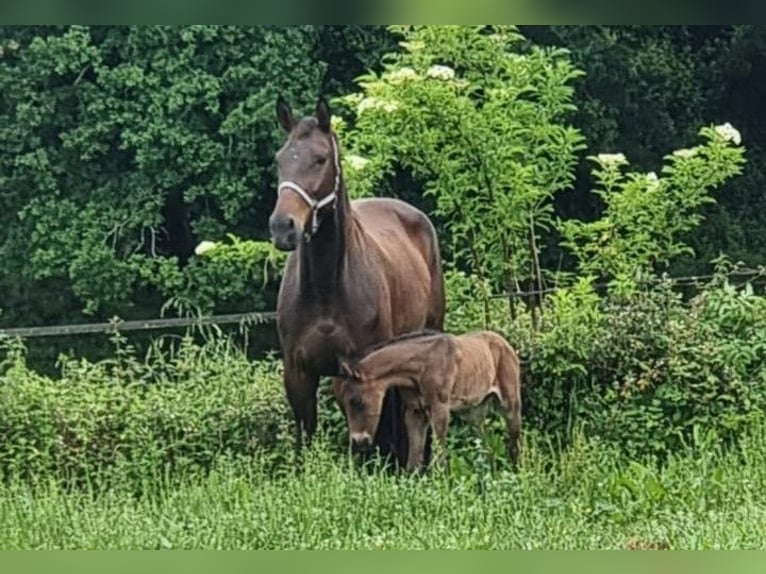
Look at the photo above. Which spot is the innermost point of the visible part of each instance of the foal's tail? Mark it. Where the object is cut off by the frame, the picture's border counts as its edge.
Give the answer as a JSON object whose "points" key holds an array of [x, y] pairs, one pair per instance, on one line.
{"points": [[509, 382]]}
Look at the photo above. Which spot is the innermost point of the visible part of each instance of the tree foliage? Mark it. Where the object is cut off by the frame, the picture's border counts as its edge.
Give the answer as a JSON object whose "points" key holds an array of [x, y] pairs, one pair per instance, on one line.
{"points": [[646, 90], [122, 146], [645, 217], [482, 125]]}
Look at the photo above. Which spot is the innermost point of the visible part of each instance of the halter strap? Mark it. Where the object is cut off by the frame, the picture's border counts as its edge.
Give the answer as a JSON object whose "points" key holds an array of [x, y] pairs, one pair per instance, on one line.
{"points": [[313, 203]]}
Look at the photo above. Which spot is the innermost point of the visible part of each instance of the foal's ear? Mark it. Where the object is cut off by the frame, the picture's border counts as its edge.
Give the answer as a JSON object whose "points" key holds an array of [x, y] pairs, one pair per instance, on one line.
{"points": [[323, 115], [345, 369], [285, 115]]}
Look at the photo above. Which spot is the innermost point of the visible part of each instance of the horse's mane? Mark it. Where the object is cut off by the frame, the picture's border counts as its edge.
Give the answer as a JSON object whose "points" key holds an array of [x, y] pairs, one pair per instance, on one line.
{"points": [[396, 339]]}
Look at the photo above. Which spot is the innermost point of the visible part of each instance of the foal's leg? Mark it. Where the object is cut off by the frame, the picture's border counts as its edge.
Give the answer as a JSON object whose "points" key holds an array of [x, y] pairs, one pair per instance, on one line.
{"points": [[417, 426], [440, 416], [512, 412], [509, 382], [301, 389]]}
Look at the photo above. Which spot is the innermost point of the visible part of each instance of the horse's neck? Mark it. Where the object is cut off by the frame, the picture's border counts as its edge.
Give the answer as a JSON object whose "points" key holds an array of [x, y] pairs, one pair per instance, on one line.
{"points": [[323, 258]]}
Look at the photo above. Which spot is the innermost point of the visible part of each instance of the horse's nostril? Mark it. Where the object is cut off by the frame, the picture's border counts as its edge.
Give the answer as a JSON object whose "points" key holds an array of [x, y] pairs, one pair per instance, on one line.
{"points": [[361, 441], [291, 223]]}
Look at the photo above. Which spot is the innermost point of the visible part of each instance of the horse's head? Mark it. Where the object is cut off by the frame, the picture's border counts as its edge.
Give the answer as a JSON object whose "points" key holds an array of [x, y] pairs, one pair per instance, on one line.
{"points": [[361, 400], [308, 170]]}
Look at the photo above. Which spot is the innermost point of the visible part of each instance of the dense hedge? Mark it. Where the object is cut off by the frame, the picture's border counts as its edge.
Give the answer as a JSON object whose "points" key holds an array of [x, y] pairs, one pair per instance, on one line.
{"points": [[645, 375], [187, 405]]}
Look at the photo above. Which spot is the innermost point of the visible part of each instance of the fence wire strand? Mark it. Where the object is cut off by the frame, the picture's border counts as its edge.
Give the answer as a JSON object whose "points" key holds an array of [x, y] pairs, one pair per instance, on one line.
{"points": [[268, 316]]}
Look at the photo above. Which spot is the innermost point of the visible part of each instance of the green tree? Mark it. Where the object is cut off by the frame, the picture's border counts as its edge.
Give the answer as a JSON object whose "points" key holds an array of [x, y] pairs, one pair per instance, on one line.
{"points": [[121, 147], [641, 230], [481, 124], [645, 90]]}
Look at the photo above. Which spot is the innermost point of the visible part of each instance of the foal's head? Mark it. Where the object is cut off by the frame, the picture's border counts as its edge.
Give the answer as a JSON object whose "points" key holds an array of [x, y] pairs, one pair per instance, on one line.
{"points": [[361, 400], [308, 167]]}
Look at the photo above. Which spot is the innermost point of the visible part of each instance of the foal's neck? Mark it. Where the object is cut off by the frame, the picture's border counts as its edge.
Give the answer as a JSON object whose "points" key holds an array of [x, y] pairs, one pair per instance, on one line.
{"points": [[405, 360]]}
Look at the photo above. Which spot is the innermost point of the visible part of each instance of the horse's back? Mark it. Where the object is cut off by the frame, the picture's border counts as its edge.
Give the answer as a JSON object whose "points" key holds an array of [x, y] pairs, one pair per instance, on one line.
{"points": [[477, 368], [376, 207], [487, 346], [406, 240], [393, 220]]}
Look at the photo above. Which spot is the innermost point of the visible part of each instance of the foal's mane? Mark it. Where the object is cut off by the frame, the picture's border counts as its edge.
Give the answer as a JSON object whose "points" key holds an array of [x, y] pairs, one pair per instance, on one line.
{"points": [[422, 333]]}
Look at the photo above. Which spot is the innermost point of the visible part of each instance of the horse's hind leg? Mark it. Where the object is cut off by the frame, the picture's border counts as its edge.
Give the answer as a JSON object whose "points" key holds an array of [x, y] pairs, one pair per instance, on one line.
{"points": [[301, 389], [512, 412], [513, 420], [510, 388]]}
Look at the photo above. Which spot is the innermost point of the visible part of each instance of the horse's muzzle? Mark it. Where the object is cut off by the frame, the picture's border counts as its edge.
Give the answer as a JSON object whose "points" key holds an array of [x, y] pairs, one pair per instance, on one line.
{"points": [[361, 442], [284, 232]]}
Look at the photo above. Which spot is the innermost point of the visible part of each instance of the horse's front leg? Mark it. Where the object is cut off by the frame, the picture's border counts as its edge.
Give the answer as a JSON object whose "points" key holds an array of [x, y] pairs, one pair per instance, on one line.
{"points": [[301, 389], [416, 422]]}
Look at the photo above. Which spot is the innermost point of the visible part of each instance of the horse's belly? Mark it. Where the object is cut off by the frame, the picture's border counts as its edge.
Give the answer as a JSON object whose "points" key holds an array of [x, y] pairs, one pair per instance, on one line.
{"points": [[471, 395]]}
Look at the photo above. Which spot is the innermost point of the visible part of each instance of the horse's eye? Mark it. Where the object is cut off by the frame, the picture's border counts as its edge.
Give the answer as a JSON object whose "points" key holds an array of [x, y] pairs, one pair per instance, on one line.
{"points": [[321, 160]]}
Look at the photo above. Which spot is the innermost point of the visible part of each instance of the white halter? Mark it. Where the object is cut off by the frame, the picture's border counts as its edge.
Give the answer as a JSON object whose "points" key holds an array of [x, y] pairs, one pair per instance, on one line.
{"points": [[313, 203]]}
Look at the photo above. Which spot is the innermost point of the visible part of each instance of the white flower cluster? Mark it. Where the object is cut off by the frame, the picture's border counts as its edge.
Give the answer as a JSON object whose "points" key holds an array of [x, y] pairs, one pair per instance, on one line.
{"points": [[652, 180], [441, 72], [403, 74], [728, 133], [356, 162], [376, 103], [204, 247], [685, 153], [414, 45], [612, 159]]}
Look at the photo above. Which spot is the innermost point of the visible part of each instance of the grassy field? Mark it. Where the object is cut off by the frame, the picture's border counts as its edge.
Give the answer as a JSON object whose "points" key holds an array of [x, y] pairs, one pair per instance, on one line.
{"points": [[585, 499]]}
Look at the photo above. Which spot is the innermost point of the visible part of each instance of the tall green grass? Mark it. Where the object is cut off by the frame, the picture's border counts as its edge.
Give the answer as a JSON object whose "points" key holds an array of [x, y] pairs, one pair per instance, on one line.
{"points": [[190, 447], [588, 497]]}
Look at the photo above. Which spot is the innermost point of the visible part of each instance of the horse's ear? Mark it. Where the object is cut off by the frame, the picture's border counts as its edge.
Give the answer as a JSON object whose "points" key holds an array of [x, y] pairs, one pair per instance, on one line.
{"points": [[285, 115], [323, 115]]}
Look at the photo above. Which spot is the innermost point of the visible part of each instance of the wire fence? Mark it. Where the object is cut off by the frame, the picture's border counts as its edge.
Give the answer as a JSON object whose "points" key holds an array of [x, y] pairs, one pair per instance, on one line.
{"points": [[757, 276], [261, 317], [139, 325]]}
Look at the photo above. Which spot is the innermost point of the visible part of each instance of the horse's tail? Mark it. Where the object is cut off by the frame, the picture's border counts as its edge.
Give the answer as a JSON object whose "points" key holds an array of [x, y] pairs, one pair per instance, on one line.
{"points": [[438, 297]]}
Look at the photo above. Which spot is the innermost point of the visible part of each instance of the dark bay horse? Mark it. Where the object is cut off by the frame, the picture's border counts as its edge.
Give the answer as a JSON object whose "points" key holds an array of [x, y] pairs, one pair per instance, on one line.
{"points": [[438, 373], [358, 272]]}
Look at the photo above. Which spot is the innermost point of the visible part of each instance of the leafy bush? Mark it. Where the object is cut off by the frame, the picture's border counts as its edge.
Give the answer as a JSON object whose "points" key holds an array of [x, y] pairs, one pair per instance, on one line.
{"points": [[648, 373], [186, 404], [644, 375], [645, 216], [221, 272], [669, 370]]}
